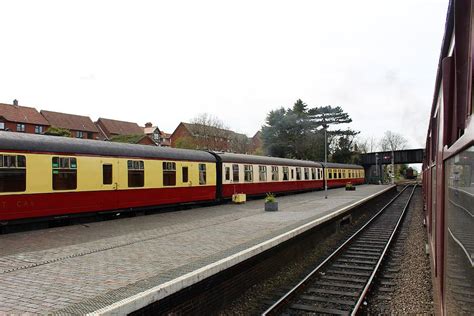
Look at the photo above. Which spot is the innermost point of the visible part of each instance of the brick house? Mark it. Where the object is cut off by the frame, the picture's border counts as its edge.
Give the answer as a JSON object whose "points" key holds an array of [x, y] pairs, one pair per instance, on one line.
{"points": [[122, 131], [110, 128], [165, 139], [153, 132], [16, 118], [159, 137], [257, 142], [199, 136], [79, 126]]}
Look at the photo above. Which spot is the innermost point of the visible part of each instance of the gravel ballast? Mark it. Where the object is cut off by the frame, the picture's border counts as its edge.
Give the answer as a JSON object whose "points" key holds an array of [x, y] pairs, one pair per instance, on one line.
{"points": [[409, 270]]}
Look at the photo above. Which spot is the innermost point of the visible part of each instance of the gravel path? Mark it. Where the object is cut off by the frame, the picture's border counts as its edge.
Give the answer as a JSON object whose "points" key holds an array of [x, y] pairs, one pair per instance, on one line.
{"points": [[412, 290]]}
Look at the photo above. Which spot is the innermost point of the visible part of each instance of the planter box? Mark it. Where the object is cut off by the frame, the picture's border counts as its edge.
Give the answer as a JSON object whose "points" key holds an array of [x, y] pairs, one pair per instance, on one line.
{"points": [[271, 206]]}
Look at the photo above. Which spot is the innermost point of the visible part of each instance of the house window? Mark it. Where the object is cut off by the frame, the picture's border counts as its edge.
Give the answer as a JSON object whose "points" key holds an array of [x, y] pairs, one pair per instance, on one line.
{"points": [[185, 174], [64, 173], [202, 173], [298, 173], [38, 129], [107, 174], [20, 127], [136, 173], [12, 173], [285, 174], [90, 135], [169, 173], [235, 172], [313, 173], [248, 173], [227, 173], [79, 134], [262, 173], [2, 126], [306, 173], [156, 136]]}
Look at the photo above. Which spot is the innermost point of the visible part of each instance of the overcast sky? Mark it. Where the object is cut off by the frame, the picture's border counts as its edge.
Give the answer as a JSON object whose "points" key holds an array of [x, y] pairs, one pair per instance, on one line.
{"points": [[167, 61]]}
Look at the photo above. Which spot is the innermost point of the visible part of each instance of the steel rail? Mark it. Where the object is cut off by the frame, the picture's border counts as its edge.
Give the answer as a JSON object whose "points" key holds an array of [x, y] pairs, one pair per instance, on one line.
{"points": [[294, 290], [382, 256]]}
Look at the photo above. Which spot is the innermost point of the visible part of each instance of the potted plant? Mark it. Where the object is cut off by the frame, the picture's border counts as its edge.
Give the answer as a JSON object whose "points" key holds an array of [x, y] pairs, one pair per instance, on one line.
{"points": [[350, 187], [271, 205]]}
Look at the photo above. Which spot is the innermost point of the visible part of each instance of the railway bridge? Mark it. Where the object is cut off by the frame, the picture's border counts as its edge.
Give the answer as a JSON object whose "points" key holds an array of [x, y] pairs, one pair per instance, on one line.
{"points": [[373, 162]]}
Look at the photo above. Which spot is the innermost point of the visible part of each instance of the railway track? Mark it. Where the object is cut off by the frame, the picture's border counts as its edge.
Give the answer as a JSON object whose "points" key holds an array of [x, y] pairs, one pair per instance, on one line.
{"points": [[340, 283]]}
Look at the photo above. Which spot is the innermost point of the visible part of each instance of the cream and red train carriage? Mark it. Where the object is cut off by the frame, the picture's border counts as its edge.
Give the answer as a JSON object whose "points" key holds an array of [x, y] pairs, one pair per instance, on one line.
{"points": [[44, 176], [255, 175], [339, 174]]}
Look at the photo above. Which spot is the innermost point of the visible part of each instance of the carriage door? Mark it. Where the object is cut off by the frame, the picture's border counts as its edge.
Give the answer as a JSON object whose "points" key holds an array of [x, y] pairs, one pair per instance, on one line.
{"points": [[110, 184]]}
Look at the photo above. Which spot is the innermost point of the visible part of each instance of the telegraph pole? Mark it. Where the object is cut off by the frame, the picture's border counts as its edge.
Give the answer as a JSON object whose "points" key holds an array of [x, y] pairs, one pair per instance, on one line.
{"points": [[325, 126]]}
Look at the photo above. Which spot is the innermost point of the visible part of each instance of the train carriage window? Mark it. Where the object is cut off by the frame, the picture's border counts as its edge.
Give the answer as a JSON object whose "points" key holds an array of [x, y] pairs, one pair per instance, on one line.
{"points": [[235, 173], [248, 173], [306, 173], [298, 173], [169, 173], [313, 173], [275, 175], [185, 176], [12, 173], [339, 174], [202, 173], [64, 173], [292, 173], [136, 173], [227, 173], [262, 173], [107, 174], [330, 174], [285, 174]]}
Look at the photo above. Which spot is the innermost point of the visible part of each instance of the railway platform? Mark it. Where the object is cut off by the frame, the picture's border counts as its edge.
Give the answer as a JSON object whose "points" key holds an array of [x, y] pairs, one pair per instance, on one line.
{"points": [[119, 266]]}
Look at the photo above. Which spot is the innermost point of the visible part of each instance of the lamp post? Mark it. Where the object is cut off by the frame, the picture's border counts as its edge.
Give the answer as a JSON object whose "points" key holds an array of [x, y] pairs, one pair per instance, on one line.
{"points": [[376, 167], [325, 126]]}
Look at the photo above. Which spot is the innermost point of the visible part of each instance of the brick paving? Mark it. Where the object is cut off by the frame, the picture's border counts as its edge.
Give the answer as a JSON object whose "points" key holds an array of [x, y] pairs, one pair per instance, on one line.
{"points": [[82, 268]]}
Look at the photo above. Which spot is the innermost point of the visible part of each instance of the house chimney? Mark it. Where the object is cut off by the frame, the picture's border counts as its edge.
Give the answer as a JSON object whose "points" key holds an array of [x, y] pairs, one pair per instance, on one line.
{"points": [[15, 102], [148, 124]]}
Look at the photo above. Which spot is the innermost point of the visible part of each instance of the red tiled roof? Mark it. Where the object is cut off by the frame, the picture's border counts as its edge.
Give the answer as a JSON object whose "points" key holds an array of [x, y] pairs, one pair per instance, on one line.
{"points": [[70, 121], [22, 114], [121, 127]]}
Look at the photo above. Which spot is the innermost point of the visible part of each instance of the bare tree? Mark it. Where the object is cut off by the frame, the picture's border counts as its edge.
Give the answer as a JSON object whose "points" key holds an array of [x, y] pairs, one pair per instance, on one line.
{"points": [[366, 144], [240, 143], [209, 132], [393, 141]]}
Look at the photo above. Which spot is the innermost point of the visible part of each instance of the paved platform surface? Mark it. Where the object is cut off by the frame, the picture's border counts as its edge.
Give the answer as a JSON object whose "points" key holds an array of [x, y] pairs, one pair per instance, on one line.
{"points": [[102, 267]]}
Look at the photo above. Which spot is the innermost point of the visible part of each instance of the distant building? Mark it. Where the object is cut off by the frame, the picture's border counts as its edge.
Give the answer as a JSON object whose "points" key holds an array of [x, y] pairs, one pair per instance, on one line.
{"points": [[16, 118], [159, 137], [199, 136], [257, 142], [153, 132], [133, 139], [110, 128], [79, 126], [165, 139]]}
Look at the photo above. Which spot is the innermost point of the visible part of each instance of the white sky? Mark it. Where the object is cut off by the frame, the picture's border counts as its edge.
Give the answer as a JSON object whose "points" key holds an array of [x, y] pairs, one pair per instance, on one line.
{"points": [[167, 61]]}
